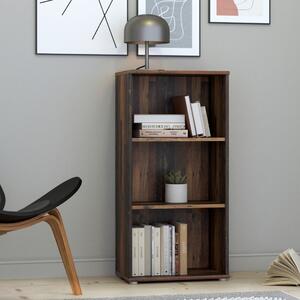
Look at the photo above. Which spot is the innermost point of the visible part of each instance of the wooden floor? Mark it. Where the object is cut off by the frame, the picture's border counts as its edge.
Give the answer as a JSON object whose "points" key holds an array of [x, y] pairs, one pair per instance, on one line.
{"points": [[112, 287]]}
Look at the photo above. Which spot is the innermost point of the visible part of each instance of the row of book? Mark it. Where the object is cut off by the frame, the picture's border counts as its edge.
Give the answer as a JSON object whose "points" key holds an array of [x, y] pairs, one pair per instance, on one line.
{"points": [[159, 250], [190, 120]]}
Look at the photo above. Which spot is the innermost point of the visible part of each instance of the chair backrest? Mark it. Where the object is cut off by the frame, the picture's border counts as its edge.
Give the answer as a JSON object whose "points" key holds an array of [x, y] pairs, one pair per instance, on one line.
{"points": [[2, 198]]}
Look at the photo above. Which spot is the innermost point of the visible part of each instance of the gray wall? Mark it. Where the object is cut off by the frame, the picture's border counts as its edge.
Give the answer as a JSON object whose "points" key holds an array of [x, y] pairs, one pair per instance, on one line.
{"points": [[57, 120]]}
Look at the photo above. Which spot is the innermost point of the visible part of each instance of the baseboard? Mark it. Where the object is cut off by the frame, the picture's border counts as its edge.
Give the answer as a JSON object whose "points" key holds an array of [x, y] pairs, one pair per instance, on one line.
{"points": [[54, 268], [252, 262]]}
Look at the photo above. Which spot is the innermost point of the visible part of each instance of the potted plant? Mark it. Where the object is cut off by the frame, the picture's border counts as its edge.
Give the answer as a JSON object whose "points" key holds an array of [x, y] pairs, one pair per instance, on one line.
{"points": [[176, 187]]}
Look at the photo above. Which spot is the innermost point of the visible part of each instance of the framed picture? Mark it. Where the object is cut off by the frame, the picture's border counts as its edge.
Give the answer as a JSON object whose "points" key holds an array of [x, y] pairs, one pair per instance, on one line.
{"points": [[240, 11], [183, 18], [93, 27]]}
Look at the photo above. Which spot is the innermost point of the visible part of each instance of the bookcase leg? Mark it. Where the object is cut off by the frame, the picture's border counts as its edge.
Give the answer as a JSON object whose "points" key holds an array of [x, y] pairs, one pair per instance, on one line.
{"points": [[134, 283], [223, 279]]}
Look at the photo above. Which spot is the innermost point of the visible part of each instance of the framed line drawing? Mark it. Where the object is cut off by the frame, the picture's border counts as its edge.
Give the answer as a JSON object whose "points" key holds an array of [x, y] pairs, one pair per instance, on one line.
{"points": [[240, 11], [183, 17], [80, 27]]}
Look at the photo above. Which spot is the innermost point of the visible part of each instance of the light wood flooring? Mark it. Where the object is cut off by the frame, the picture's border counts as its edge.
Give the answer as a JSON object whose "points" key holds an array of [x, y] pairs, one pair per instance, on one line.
{"points": [[55, 289]]}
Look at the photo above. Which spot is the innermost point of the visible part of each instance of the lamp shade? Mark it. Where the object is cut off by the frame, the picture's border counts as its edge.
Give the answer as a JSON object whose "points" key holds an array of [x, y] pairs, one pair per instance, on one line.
{"points": [[147, 28]]}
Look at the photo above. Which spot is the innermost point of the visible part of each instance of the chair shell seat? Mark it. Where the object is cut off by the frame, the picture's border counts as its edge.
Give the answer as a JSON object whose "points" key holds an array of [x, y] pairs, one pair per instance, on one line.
{"points": [[48, 202]]}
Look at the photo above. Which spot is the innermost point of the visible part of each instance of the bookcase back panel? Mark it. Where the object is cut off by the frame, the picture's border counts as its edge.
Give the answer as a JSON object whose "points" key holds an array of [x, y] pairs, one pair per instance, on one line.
{"points": [[151, 162], [202, 163], [152, 95], [206, 242]]}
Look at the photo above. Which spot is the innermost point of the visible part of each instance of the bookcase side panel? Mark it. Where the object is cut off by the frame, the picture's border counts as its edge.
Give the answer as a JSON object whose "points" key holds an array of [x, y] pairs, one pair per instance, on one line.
{"points": [[123, 175]]}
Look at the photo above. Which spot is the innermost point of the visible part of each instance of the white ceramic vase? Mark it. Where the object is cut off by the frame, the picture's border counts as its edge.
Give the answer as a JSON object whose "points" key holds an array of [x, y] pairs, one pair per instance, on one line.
{"points": [[176, 193]]}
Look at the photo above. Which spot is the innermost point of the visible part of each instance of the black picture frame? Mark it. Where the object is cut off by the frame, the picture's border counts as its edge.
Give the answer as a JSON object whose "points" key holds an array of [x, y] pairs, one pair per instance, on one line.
{"points": [[73, 54], [238, 23], [185, 56]]}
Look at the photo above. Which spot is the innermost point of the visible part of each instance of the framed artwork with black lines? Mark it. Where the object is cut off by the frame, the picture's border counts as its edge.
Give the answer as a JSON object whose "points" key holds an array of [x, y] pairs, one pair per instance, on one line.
{"points": [[80, 27]]}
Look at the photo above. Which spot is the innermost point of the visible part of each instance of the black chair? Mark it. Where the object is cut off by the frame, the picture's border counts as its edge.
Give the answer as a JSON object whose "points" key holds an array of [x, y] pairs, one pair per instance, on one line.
{"points": [[45, 210]]}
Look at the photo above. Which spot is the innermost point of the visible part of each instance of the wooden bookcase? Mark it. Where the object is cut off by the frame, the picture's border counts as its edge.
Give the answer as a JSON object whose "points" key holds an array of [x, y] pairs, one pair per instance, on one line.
{"points": [[142, 163]]}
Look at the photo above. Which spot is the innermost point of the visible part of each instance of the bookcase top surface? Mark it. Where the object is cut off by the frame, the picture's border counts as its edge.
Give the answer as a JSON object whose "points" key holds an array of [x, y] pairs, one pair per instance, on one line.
{"points": [[172, 72]]}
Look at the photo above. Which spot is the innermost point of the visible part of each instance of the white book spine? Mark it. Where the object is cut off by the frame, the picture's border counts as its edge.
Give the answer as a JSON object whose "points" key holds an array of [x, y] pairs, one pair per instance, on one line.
{"points": [[173, 271], [155, 251], [141, 251], [205, 121], [165, 126], [135, 262], [164, 250], [148, 250], [196, 107], [190, 115], [164, 118]]}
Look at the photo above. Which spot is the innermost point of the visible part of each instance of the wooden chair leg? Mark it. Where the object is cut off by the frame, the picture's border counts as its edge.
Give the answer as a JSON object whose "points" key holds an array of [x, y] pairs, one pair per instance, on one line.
{"points": [[57, 226]]}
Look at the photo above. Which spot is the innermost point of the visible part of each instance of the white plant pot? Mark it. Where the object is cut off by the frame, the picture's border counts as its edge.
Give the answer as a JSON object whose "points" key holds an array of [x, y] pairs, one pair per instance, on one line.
{"points": [[176, 193]]}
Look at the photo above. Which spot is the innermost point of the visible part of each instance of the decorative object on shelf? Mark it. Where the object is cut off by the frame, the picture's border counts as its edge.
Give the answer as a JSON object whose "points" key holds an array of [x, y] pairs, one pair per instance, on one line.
{"points": [[183, 18], [92, 27], [148, 30], [176, 187], [240, 11]]}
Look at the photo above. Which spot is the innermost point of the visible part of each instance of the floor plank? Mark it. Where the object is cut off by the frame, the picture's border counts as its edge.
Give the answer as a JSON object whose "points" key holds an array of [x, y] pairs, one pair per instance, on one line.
{"points": [[58, 289]]}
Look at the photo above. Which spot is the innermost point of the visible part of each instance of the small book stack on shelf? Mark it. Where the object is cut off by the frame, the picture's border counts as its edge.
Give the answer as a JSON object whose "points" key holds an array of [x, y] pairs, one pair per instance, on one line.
{"points": [[167, 125], [159, 250], [191, 120]]}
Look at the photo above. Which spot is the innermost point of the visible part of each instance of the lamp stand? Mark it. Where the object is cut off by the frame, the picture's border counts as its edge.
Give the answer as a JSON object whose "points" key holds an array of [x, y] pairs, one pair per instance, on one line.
{"points": [[147, 65]]}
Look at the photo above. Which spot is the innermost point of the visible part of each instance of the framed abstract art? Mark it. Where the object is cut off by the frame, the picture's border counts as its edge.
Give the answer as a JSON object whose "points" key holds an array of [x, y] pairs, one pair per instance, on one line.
{"points": [[240, 11], [183, 17], [93, 27]]}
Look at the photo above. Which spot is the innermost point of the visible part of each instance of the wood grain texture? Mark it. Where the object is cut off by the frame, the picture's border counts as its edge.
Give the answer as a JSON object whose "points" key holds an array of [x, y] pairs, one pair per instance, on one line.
{"points": [[179, 140], [54, 219], [141, 164], [190, 205]]}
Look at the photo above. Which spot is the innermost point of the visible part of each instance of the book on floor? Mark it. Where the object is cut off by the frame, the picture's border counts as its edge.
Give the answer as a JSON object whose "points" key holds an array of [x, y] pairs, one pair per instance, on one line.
{"points": [[285, 269]]}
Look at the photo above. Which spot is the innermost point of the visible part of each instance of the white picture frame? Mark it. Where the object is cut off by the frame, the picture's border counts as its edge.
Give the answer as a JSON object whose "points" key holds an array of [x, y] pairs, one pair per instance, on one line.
{"points": [[240, 11], [81, 27], [187, 13]]}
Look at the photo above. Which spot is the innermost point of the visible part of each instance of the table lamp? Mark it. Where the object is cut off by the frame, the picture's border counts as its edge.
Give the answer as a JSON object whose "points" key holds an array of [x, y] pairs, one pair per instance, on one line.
{"points": [[149, 30]]}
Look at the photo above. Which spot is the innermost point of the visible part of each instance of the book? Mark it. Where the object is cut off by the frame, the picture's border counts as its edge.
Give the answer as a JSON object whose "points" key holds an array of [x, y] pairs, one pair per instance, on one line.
{"points": [[135, 262], [165, 269], [181, 249], [163, 118], [182, 104], [205, 121], [166, 126], [141, 251], [161, 133], [285, 269], [197, 113], [155, 251], [173, 251], [148, 250]]}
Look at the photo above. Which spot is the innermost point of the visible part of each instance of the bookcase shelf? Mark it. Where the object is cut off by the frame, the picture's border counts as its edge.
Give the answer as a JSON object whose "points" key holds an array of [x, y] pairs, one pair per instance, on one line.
{"points": [[179, 140], [141, 164], [161, 206]]}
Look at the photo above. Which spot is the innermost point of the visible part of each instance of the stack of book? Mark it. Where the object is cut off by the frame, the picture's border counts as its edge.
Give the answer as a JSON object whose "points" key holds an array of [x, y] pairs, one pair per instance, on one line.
{"points": [[196, 115], [159, 250], [167, 125]]}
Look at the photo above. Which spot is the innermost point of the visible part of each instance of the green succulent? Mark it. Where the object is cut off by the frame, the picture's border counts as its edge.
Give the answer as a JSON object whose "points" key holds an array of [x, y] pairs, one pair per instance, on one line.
{"points": [[175, 177]]}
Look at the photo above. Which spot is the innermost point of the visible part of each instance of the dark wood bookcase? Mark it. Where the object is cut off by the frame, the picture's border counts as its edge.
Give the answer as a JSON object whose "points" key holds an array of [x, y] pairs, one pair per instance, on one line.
{"points": [[141, 164]]}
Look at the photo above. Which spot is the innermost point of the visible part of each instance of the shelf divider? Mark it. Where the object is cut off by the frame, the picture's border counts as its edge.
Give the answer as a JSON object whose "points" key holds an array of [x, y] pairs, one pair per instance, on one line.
{"points": [[189, 205]]}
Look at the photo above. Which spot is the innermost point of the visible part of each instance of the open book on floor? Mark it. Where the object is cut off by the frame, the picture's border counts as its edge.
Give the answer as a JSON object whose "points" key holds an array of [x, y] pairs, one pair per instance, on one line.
{"points": [[285, 269]]}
